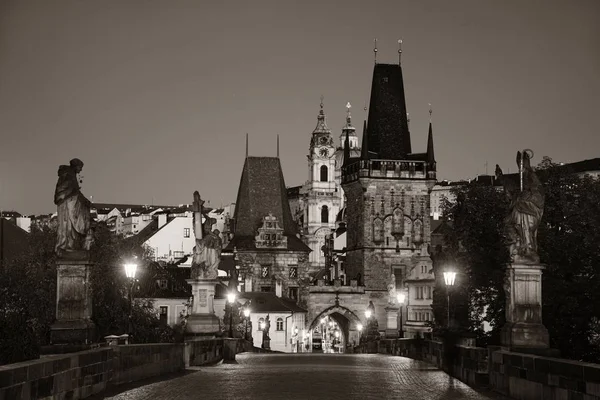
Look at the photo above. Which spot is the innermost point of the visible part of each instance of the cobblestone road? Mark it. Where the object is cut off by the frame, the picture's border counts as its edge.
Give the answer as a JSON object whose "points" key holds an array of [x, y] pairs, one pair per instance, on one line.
{"points": [[310, 376]]}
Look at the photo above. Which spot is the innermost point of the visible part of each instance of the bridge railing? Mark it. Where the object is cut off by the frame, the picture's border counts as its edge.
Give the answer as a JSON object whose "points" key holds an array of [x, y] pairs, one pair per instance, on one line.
{"points": [[517, 375]]}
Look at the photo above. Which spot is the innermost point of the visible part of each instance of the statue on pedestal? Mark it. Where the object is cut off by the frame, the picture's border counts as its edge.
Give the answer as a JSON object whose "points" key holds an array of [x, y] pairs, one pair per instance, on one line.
{"points": [[74, 233], [207, 252], [267, 329], [526, 210]]}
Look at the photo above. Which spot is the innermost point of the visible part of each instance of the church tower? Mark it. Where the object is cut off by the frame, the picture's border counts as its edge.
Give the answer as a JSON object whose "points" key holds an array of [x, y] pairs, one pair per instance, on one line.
{"points": [[387, 191], [322, 199]]}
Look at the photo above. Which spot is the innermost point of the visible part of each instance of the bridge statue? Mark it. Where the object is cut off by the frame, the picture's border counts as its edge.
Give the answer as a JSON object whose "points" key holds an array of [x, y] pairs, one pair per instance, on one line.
{"points": [[523, 283], [207, 252], [74, 233], [526, 209]]}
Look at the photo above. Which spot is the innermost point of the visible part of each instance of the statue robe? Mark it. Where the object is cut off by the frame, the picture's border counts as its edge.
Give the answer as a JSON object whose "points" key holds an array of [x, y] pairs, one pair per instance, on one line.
{"points": [[73, 212]]}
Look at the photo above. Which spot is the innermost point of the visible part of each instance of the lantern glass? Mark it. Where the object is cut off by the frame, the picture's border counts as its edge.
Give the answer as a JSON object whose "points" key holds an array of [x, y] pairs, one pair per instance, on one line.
{"points": [[368, 314], [359, 327], [130, 269], [401, 298], [246, 312], [449, 277], [231, 297]]}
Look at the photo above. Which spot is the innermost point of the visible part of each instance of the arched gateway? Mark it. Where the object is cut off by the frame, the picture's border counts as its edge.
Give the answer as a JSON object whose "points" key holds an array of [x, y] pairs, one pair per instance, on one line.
{"points": [[344, 319]]}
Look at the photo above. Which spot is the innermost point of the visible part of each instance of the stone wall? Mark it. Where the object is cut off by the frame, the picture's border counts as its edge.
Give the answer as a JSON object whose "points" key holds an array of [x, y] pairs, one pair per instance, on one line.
{"points": [[71, 376], [140, 361], [526, 376], [201, 351]]}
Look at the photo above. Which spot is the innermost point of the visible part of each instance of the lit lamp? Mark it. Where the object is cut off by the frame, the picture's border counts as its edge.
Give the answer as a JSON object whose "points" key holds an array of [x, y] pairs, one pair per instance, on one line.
{"points": [[231, 299], [449, 277], [130, 270], [401, 297], [360, 328], [368, 313], [247, 315]]}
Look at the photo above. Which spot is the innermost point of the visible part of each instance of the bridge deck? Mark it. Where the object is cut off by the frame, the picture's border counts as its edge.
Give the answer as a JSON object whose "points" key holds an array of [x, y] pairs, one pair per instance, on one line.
{"points": [[310, 376]]}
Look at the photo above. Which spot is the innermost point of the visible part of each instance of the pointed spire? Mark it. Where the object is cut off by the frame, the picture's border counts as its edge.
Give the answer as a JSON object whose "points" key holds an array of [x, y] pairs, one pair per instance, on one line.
{"points": [[400, 52], [246, 145], [348, 116], [375, 50], [364, 154], [430, 153], [321, 124]]}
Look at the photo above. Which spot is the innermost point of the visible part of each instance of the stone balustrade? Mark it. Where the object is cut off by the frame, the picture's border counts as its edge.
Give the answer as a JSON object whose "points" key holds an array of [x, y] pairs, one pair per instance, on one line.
{"points": [[87, 373], [517, 375]]}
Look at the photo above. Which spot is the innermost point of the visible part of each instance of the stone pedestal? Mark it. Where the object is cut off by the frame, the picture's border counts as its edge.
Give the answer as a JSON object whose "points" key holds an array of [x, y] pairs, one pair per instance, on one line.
{"points": [[202, 320], [73, 323], [524, 328], [391, 329]]}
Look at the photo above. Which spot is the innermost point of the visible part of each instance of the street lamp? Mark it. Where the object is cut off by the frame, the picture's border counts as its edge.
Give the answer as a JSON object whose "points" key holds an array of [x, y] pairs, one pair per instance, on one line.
{"points": [[401, 298], [368, 313], [231, 299], [130, 270], [449, 277], [360, 328], [247, 315]]}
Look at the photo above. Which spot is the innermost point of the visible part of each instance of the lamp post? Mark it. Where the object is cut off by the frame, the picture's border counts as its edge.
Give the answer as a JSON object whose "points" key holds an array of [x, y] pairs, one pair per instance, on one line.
{"points": [[130, 270], [449, 277], [247, 315], [231, 299], [401, 298]]}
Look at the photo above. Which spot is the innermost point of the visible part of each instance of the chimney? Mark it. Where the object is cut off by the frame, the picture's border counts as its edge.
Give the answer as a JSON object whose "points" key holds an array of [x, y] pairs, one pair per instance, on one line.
{"points": [[162, 220], [278, 288]]}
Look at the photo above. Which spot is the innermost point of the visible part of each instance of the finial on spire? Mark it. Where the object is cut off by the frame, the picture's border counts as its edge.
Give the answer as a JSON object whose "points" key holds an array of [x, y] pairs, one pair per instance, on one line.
{"points": [[348, 107], [399, 51], [322, 97], [430, 111], [375, 50]]}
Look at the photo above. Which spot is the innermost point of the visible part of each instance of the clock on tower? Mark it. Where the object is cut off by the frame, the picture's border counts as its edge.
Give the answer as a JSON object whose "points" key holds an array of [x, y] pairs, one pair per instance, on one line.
{"points": [[323, 152]]}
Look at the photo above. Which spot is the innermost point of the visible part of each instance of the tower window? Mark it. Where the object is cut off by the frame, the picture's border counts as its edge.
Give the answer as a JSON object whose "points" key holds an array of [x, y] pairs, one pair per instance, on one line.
{"points": [[324, 173], [325, 213]]}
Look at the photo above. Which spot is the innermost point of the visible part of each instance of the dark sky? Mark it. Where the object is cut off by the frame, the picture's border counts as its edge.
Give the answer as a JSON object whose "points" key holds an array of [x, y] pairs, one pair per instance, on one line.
{"points": [[156, 96]]}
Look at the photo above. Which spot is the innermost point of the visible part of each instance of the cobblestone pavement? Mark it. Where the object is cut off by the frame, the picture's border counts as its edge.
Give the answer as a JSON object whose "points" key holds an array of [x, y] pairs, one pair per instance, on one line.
{"points": [[311, 376]]}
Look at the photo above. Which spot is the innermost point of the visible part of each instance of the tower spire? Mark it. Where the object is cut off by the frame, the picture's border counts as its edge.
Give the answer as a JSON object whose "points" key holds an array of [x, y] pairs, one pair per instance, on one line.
{"points": [[399, 51], [321, 124], [348, 116], [430, 153], [375, 50]]}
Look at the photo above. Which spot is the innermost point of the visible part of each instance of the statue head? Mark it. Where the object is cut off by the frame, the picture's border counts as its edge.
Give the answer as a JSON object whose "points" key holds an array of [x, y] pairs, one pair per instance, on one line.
{"points": [[76, 164]]}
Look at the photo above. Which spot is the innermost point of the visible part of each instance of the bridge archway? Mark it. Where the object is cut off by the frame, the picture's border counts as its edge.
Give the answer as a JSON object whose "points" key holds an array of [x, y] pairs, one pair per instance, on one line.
{"points": [[344, 318]]}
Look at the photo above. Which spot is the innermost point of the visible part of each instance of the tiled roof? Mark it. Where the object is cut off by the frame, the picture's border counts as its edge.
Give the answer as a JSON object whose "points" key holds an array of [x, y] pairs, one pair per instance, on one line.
{"points": [[10, 214], [177, 287], [583, 166], [262, 191], [13, 240], [265, 302], [387, 123]]}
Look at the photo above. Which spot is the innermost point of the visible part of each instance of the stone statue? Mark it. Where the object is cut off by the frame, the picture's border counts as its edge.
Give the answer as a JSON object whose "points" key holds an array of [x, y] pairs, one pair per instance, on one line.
{"points": [[526, 210], [74, 233], [392, 290], [207, 252], [267, 328]]}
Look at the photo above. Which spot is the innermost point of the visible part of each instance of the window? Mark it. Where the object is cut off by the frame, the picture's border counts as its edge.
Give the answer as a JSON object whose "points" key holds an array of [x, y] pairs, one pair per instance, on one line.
{"points": [[279, 324], [293, 293], [325, 214], [423, 269], [261, 321], [324, 173], [293, 272], [419, 295], [163, 283], [164, 312], [186, 232]]}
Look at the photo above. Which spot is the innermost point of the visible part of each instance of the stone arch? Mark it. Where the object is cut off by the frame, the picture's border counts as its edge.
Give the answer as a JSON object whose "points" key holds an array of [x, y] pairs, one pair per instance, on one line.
{"points": [[346, 319]]}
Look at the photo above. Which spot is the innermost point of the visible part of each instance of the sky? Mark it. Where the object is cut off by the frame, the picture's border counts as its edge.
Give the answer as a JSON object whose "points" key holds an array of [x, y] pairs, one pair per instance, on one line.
{"points": [[156, 96]]}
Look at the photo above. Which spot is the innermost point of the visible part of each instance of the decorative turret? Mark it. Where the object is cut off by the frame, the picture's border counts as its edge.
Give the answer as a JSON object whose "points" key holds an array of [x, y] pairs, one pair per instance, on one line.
{"points": [[349, 130]]}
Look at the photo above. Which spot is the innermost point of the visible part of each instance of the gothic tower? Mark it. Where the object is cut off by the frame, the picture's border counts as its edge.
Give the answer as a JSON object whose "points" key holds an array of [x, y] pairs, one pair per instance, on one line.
{"points": [[387, 192]]}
